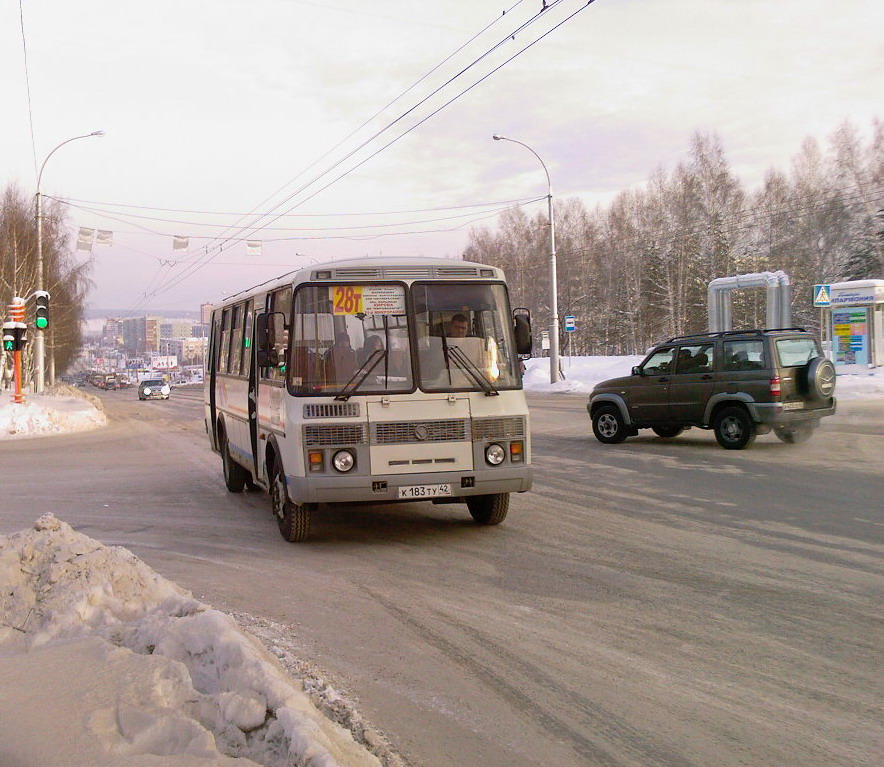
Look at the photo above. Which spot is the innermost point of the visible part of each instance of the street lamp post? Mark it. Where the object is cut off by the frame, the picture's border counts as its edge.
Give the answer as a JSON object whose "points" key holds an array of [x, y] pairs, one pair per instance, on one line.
{"points": [[554, 301], [39, 341]]}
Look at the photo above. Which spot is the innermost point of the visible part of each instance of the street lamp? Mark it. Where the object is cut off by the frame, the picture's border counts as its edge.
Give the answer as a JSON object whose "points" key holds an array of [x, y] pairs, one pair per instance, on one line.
{"points": [[554, 302], [39, 343]]}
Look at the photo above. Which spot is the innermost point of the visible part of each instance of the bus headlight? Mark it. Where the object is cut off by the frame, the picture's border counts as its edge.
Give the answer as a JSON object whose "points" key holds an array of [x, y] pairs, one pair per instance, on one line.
{"points": [[495, 454], [343, 460]]}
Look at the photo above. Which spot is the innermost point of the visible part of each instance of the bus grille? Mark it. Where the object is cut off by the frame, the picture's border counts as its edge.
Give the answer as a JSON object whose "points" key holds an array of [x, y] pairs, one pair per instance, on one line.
{"points": [[337, 434], [498, 428], [332, 410], [404, 432]]}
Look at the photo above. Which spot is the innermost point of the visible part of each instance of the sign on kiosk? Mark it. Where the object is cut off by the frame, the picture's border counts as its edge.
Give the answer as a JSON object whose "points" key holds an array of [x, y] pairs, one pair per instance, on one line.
{"points": [[856, 313]]}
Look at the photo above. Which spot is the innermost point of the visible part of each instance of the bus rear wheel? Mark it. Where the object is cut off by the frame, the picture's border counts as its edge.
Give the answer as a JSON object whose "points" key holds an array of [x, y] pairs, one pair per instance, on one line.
{"points": [[489, 509], [234, 474], [293, 518]]}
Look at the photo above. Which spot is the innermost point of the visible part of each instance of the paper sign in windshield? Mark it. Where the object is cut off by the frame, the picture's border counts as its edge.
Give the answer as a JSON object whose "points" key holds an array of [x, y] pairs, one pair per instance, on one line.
{"points": [[368, 299]]}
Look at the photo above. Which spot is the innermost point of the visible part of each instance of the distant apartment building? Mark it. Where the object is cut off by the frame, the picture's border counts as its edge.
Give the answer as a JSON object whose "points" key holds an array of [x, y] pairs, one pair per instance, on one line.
{"points": [[176, 329], [141, 335], [189, 351], [112, 333], [205, 313]]}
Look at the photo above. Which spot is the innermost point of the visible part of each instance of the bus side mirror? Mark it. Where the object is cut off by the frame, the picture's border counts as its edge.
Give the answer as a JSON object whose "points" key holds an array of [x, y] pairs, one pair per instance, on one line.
{"points": [[267, 354], [522, 329], [262, 333]]}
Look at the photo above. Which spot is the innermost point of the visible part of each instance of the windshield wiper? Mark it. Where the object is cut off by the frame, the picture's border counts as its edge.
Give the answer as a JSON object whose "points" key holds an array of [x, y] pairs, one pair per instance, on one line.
{"points": [[469, 367], [361, 374]]}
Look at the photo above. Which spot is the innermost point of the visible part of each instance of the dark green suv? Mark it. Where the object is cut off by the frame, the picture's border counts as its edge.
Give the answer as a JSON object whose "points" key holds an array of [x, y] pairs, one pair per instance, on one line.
{"points": [[739, 383]]}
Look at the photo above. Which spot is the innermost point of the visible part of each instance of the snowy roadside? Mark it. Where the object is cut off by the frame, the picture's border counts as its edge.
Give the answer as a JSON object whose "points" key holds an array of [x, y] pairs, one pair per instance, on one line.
{"points": [[61, 409], [105, 662]]}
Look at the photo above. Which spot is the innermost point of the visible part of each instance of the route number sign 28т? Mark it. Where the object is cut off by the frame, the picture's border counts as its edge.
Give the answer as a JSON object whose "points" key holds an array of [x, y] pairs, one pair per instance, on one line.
{"points": [[367, 299]]}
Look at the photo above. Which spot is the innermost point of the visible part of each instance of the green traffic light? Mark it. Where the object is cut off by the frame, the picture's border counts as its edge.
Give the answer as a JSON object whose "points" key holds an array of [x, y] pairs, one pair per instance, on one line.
{"points": [[41, 322], [8, 346]]}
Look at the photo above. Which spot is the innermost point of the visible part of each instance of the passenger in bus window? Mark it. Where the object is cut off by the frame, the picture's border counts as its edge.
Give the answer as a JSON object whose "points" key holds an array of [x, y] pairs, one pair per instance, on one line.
{"points": [[340, 359], [372, 344]]}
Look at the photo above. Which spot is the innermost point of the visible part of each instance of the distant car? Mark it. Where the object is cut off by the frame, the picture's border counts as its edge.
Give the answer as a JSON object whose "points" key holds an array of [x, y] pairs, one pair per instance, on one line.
{"points": [[153, 388], [738, 383]]}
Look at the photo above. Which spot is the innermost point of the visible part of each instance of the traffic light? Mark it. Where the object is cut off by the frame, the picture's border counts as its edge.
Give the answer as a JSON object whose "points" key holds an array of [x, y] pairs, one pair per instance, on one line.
{"points": [[14, 338], [41, 313]]}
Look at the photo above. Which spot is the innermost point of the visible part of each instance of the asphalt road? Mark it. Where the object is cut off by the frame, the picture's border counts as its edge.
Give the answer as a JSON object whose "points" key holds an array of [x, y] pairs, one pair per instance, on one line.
{"points": [[649, 603]]}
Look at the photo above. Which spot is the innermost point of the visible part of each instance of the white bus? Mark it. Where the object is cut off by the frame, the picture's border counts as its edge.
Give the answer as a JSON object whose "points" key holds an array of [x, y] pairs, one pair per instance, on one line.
{"points": [[371, 381]]}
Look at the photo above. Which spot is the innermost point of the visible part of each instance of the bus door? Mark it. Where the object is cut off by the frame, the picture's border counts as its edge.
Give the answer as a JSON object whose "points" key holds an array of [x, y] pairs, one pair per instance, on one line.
{"points": [[267, 376], [248, 337], [212, 369]]}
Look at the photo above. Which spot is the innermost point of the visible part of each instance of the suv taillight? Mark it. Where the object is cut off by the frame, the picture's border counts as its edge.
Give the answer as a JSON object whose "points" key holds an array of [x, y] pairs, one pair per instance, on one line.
{"points": [[775, 389]]}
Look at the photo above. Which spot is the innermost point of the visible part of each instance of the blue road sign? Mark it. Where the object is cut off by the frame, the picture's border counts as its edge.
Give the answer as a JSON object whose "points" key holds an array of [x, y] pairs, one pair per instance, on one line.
{"points": [[822, 295], [570, 324]]}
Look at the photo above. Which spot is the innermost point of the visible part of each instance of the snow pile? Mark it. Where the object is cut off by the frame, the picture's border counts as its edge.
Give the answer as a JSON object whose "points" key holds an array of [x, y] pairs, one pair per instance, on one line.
{"points": [[580, 374], [124, 666], [63, 410]]}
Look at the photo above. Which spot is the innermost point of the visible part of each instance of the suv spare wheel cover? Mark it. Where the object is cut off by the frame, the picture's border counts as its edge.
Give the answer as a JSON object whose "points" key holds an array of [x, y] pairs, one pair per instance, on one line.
{"points": [[820, 377]]}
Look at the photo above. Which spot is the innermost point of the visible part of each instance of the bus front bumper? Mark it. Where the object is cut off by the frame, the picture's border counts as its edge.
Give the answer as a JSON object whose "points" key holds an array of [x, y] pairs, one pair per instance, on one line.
{"points": [[385, 488]]}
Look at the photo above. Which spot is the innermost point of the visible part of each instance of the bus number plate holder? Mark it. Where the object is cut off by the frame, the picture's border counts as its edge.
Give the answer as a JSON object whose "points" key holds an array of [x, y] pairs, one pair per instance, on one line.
{"points": [[425, 491]]}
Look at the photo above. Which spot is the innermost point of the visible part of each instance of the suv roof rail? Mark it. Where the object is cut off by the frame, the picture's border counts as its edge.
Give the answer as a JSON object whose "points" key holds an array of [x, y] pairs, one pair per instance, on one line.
{"points": [[722, 333], [717, 334]]}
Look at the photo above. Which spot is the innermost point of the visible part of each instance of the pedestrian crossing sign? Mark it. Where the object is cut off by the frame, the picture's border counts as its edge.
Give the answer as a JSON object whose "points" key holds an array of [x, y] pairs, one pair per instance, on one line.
{"points": [[822, 295]]}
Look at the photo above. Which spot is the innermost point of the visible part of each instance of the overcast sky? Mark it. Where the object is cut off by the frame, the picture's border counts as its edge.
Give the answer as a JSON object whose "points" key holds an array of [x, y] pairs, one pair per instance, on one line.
{"points": [[217, 105]]}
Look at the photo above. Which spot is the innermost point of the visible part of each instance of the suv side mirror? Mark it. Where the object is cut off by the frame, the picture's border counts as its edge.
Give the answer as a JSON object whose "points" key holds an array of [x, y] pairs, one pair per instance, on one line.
{"points": [[522, 330], [637, 371]]}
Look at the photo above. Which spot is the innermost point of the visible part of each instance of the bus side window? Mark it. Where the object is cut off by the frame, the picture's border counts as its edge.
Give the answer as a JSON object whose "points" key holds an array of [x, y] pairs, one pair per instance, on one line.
{"points": [[225, 341]]}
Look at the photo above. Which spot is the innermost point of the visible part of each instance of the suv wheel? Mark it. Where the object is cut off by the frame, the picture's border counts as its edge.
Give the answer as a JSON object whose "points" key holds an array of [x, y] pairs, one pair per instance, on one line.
{"points": [[608, 426], [734, 429], [667, 430]]}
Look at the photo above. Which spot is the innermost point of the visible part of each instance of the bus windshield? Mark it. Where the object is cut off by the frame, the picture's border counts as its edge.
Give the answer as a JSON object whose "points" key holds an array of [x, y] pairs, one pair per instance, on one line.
{"points": [[356, 339], [464, 337], [337, 332]]}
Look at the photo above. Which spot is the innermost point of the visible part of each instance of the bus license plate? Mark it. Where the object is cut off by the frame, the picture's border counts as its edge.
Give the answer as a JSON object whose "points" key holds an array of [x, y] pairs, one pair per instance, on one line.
{"points": [[425, 491]]}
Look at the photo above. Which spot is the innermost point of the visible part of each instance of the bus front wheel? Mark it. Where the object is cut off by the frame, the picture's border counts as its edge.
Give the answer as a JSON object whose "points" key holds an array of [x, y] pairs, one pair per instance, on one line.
{"points": [[293, 518], [489, 509]]}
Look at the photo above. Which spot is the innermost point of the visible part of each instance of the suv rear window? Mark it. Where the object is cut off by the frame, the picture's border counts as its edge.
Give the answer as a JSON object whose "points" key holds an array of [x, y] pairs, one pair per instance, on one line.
{"points": [[744, 355], [794, 352]]}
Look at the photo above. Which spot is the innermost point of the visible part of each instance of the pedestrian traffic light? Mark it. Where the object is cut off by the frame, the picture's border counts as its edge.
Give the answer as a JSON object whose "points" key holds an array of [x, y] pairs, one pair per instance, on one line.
{"points": [[14, 338], [41, 315]]}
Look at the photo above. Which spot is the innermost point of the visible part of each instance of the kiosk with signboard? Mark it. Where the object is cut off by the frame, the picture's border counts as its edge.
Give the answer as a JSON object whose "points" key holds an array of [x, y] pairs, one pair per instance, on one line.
{"points": [[856, 322]]}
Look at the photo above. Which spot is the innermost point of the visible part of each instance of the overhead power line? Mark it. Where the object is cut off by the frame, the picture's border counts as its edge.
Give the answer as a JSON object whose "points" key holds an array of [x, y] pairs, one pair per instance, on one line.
{"points": [[215, 249]]}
